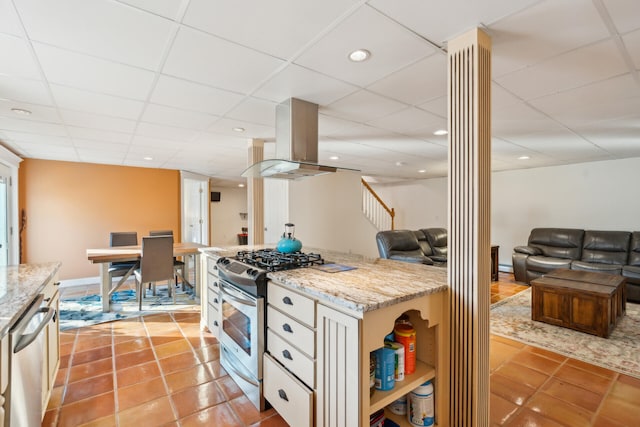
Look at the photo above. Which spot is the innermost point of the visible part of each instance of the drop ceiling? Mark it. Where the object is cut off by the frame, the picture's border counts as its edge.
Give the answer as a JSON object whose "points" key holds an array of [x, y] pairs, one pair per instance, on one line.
{"points": [[163, 84]]}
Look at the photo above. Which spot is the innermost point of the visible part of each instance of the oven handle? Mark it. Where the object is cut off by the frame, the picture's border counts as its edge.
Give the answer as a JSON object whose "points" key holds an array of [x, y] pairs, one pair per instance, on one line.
{"points": [[236, 296], [232, 366]]}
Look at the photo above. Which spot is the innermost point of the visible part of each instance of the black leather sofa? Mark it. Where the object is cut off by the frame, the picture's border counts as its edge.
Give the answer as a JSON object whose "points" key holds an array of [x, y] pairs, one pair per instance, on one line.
{"points": [[426, 246], [613, 252]]}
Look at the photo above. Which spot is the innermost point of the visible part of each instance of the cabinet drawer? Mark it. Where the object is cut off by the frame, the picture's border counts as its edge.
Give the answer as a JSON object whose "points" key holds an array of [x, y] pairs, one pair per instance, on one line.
{"points": [[212, 294], [290, 398], [294, 304], [213, 282], [213, 320], [51, 288], [292, 358], [211, 266], [292, 331]]}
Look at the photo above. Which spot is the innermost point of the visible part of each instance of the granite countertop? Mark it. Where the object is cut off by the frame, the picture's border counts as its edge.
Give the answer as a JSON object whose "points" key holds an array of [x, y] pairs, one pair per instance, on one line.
{"points": [[19, 285], [374, 283]]}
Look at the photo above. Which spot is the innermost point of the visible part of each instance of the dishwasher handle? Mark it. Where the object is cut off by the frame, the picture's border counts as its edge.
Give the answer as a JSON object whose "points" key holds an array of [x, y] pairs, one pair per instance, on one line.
{"points": [[27, 339]]}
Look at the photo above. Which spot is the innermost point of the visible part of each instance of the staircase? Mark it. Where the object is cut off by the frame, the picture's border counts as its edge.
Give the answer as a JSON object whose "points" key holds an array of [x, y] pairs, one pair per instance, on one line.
{"points": [[376, 211]]}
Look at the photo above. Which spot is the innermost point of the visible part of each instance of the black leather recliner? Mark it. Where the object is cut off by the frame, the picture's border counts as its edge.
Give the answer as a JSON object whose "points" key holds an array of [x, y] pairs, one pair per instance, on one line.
{"points": [[437, 238], [632, 270], [401, 245]]}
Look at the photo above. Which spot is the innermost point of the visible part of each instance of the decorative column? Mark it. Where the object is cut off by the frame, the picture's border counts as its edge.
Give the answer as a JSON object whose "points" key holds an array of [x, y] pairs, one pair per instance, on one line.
{"points": [[469, 261], [255, 195]]}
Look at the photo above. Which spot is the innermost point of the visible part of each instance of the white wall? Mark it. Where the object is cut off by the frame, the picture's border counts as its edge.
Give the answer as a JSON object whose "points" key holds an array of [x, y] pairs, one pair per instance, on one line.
{"points": [[226, 222], [597, 196], [327, 213]]}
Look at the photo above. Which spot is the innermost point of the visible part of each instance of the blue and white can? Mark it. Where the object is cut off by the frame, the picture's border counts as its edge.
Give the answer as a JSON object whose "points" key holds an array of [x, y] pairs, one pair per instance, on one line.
{"points": [[385, 368]]}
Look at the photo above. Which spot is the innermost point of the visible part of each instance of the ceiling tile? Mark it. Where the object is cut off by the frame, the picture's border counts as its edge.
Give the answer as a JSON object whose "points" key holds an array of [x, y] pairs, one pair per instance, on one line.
{"points": [[32, 91], [170, 116], [165, 132], [38, 112], [216, 62], [417, 83], [519, 119], [568, 71], [561, 144], [299, 82], [365, 29], [609, 99], [255, 111], [251, 130], [167, 8], [632, 44], [31, 126], [436, 106], [274, 27], [407, 120], [328, 125], [97, 121], [9, 21], [624, 14], [80, 100], [89, 73], [44, 138], [103, 28], [442, 21], [179, 93], [82, 133], [21, 63], [363, 106], [542, 31]]}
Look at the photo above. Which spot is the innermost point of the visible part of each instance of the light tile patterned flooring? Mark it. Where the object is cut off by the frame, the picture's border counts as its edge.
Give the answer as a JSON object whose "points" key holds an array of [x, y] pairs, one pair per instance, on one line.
{"points": [[161, 370]]}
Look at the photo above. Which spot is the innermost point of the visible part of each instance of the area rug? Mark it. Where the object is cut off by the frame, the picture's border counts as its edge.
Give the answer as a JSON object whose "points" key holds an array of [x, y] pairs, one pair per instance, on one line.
{"points": [[76, 312], [511, 318]]}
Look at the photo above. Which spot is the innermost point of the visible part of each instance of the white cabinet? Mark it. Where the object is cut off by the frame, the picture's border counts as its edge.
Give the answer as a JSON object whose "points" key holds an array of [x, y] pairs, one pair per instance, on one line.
{"points": [[289, 367], [210, 302], [4, 375], [51, 354]]}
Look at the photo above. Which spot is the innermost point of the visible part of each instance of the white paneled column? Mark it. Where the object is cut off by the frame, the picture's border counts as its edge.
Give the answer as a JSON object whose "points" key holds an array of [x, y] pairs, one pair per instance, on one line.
{"points": [[255, 195], [469, 260]]}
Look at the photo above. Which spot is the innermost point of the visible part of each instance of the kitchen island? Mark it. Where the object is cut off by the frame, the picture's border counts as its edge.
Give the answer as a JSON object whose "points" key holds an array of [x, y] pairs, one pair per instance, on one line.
{"points": [[347, 311], [26, 289]]}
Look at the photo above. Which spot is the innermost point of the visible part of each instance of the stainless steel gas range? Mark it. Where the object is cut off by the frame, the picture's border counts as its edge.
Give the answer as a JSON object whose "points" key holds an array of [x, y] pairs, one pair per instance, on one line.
{"points": [[241, 304]]}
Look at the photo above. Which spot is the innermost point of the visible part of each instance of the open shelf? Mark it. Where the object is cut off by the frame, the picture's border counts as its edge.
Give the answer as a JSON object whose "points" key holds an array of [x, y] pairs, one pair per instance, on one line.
{"points": [[380, 398]]}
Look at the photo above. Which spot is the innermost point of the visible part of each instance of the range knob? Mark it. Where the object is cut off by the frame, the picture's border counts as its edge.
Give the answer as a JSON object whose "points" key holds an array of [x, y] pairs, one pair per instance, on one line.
{"points": [[224, 261]]}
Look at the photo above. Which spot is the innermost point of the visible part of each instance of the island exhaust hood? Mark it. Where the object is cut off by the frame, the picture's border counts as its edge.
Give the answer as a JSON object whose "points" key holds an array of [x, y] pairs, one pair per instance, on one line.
{"points": [[296, 144]]}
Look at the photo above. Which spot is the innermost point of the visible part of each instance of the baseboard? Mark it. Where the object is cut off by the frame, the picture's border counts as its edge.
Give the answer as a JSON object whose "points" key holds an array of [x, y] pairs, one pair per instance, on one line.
{"points": [[80, 282], [505, 268]]}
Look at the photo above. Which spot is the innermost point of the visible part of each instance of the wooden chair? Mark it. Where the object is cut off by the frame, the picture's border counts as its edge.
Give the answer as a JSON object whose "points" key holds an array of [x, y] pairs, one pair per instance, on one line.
{"points": [[122, 269], [156, 264], [177, 264]]}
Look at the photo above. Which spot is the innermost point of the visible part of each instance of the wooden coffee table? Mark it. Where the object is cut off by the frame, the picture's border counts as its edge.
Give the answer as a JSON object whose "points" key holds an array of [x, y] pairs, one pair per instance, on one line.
{"points": [[580, 300]]}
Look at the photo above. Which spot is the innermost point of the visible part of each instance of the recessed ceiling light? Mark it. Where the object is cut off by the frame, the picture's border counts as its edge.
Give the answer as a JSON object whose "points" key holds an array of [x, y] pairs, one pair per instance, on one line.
{"points": [[441, 132], [21, 111], [240, 185], [422, 171], [334, 157], [523, 158], [148, 158], [238, 129], [401, 164], [359, 55]]}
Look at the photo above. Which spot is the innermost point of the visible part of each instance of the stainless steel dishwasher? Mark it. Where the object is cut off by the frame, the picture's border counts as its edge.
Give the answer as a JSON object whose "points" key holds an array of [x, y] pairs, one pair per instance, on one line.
{"points": [[27, 341]]}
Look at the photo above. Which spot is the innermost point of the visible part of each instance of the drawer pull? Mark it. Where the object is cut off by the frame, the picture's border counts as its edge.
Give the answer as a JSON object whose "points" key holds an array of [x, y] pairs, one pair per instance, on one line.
{"points": [[287, 301], [215, 323], [56, 284], [47, 299], [283, 395], [286, 354], [215, 285], [215, 300], [287, 328]]}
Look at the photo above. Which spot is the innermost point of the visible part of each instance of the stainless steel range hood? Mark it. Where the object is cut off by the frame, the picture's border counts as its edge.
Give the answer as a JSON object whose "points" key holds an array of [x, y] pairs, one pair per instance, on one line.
{"points": [[296, 144]]}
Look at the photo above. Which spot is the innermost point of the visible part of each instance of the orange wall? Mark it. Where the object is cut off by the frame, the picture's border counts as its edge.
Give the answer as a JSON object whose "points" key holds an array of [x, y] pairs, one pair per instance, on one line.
{"points": [[73, 206]]}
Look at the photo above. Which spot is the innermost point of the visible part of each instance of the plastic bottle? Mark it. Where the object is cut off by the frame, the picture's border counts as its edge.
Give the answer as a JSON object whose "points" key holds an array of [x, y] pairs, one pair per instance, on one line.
{"points": [[420, 410], [385, 368], [399, 363], [405, 334]]}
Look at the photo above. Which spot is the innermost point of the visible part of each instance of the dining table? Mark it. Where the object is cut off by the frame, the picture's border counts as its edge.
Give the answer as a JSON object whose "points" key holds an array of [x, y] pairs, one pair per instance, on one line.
{"points": [[105, 256]]}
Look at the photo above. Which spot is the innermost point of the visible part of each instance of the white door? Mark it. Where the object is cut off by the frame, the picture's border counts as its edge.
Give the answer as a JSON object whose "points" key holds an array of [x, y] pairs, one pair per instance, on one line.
{"points": [[195, 212], [4, 223], [276, 208]]}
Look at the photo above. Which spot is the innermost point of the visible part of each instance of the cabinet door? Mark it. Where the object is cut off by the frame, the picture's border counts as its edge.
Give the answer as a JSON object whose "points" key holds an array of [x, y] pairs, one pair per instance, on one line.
{"points": [[338, 346]]}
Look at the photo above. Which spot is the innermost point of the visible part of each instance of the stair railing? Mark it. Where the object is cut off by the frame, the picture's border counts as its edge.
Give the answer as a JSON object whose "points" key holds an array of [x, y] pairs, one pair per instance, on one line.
{"points": [[377, 211]]}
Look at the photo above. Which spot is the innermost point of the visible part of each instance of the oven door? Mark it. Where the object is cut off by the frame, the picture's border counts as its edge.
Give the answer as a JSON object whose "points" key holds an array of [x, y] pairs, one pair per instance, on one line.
{"points": [[242, 328]]}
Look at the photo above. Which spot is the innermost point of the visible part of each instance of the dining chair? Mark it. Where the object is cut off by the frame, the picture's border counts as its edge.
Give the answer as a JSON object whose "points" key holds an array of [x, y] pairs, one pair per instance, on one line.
{"points": [[177, 264], [122, 269], [156, 264]]}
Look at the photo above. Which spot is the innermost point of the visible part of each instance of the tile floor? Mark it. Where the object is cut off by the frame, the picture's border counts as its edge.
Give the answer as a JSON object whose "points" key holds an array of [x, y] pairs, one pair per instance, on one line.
{"points": [[161, 370]]}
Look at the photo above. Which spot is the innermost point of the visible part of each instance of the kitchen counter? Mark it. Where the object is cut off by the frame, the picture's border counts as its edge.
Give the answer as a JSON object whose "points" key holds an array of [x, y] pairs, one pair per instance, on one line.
{"points": [[19, 285], [374, 283]]}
